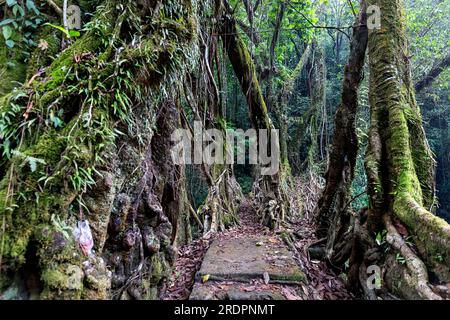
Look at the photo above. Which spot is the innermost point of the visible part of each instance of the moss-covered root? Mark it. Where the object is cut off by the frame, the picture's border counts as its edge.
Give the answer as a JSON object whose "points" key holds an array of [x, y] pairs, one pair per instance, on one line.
{"points": [[417, 277]]}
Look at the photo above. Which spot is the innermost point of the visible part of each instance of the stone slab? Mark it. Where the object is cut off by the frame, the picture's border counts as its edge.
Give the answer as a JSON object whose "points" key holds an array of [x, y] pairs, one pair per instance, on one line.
{"points": [[249, 257], [213, 291]]}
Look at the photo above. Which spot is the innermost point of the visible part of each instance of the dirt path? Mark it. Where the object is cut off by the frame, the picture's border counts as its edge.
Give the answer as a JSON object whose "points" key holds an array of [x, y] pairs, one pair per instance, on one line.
{"points": [[251, 262]]}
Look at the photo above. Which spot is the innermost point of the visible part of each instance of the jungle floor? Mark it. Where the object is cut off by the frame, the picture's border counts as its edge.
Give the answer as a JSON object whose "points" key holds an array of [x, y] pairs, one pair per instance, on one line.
{"points": [[250, 262]]}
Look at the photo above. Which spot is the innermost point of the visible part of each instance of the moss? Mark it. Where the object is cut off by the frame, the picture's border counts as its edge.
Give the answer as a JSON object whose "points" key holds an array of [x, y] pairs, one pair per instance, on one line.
{"points": [[59, 69], [41, 58], [22, 218], [12, 69], [408, 174], [63, 282], [49, 147], [65, 277], [160, 268], [292, 277], [97, 279]]}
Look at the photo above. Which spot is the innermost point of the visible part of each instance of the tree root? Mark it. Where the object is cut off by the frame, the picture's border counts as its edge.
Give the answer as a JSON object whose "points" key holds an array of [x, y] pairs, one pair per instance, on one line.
{"points": [[221, 204], [417, 277], [271, 202]]}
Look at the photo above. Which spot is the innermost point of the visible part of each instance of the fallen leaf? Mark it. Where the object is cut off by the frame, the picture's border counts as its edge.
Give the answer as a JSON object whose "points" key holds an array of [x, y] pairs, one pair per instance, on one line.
{"points": [[205, 278], [249, 289], [289, 294]]}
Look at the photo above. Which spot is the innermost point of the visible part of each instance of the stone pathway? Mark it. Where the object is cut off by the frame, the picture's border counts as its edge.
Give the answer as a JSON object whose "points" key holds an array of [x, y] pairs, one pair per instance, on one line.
{"points": [[251, 266], [250, 262]]}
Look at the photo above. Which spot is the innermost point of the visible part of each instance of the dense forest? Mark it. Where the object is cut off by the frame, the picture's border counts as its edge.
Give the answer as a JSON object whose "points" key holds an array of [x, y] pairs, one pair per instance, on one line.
{"points": [[348, 198]]}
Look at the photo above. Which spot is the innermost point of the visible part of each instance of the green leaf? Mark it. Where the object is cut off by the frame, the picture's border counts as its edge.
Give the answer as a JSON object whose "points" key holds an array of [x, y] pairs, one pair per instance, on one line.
{"points": [[5, 22], [10, 3], [31, 6], [74, 33], [10, 43], [33, 165], [378, 238], [7, 32], [18, 8], [205, 278], [62, 29]]}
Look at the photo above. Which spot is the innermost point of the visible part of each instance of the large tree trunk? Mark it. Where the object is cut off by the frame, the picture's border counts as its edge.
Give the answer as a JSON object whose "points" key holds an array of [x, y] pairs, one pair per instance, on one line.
{"points": [[399, 164], [106, 161], [333, 212]]}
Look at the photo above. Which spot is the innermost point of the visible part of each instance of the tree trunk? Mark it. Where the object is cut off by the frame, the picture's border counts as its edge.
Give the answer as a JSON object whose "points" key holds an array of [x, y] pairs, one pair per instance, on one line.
{"points": [[272, 203], [106, 160], [399, 164], [333, 213]]}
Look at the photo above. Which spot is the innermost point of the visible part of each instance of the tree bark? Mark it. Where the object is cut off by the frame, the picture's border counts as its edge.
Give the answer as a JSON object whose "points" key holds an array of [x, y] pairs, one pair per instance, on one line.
{"points": [[333, 212], [399, 163]]}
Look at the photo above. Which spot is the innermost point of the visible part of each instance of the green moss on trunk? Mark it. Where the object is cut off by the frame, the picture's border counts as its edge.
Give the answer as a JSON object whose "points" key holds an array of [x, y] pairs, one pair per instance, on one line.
{"points": [[400, 164]]}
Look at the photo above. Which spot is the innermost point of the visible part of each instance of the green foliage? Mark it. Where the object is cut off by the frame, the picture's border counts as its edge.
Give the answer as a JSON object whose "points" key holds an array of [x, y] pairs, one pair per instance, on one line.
{"points": [[245, 180], [427, 22], [68, 33], [59, 129], [22, 19], [12, 110], [31, 161], [380, 238], [400, 258]]}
